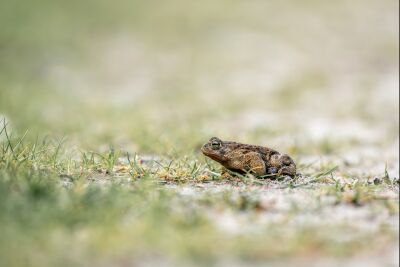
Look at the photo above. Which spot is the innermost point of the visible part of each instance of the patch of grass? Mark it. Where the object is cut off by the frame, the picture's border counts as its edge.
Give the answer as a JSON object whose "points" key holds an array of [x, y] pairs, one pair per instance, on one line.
{"points": [[135, 215], [35, 201]]}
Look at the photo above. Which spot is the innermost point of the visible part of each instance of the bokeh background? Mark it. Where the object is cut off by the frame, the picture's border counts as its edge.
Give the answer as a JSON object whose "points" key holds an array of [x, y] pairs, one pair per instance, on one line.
{"points": [[315, 79], [150, 73]]}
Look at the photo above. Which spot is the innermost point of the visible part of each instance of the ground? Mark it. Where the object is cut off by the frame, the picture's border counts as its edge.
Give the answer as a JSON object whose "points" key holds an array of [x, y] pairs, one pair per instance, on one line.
{"points": [[104, 108]]}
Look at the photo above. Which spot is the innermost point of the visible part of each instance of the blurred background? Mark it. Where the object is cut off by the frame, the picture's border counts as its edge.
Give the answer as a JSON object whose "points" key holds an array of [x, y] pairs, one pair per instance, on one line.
{"points": [[151, 76]]}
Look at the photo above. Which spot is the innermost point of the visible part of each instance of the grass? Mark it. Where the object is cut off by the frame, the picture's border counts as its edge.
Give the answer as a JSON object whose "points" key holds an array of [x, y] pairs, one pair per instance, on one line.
{"points": [[115, 208]]}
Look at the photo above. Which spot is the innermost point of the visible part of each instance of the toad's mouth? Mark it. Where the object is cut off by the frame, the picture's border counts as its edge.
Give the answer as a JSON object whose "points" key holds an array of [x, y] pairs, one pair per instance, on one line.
{"points": [[214, 156]]}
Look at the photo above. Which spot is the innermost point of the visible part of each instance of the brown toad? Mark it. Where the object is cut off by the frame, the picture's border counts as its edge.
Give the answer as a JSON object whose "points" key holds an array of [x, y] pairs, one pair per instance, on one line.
{"points": [[242, 158]]}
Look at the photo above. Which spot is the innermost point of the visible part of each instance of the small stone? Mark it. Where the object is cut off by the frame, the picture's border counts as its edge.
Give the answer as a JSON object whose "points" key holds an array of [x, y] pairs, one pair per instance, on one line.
{"points": [[377, 180]]}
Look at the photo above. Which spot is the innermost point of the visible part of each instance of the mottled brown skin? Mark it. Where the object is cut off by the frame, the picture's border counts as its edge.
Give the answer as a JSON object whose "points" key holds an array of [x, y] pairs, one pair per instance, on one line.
{"points": [[242, 158]]}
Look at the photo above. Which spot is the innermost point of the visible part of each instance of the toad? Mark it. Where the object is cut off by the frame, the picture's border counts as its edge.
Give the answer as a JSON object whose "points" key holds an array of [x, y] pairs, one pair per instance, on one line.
{"points": [[242, 158]]}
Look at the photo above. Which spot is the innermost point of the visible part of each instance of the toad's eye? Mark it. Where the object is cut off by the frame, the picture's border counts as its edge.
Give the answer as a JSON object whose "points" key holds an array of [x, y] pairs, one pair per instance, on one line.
{"points": [[215, 145]]}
